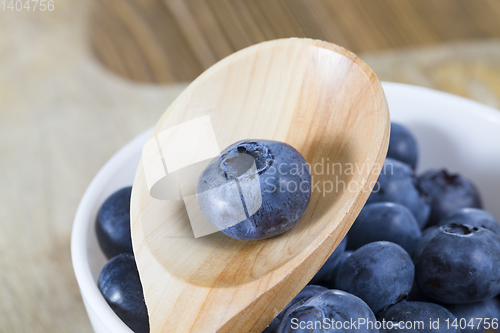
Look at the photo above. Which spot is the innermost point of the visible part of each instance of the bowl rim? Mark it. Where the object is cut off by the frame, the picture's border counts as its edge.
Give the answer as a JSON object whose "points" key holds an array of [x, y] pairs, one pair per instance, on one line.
{"points": [[83, 217], [468, 106]]}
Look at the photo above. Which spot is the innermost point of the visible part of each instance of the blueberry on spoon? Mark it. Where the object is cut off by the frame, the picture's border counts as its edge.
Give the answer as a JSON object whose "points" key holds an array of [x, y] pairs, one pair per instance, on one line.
{"points": [[255, 189]]}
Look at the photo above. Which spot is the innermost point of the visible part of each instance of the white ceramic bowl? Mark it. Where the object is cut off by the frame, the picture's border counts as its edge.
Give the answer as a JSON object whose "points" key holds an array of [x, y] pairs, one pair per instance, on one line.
{"points": [[452, 132]]}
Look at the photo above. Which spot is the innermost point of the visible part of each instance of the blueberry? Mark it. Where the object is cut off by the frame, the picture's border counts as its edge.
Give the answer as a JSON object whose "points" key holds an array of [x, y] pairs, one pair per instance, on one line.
{"points": [[281, 179], [428, 230], [113, 224], [448, 193], [325, 276], [402, 145], [397, 183], [314, 313], [423, 317], [385, 221], [487, 311], [380, 273], [120, 285], [342, 259], [272, 327], [308, 291], [458, 264], [474, 217], [416, 295]]}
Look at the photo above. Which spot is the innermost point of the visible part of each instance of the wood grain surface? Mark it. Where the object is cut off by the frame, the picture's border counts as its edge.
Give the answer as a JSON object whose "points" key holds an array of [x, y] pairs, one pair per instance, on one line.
{"points": [[167, 41], [63, 115], [316, 96]]}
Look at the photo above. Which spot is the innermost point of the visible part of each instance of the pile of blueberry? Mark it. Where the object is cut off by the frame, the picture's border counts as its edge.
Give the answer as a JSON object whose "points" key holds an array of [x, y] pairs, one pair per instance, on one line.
{"points": [[422, 250], [119, 280], [422, 256]]}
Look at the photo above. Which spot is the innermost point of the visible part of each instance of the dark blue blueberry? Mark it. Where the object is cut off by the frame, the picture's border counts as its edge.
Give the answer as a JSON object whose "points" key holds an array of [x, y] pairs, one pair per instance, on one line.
{"points": [[416, 295], [473, 217], [458, 264], [448, 193], [481, 315], [423, 317], [325, 276], [402, 145], [397, 183], [380, 273], [342, 259], [385, 221], [272, 327], [314, 314], [428, 230], [308, 291], [113, 224], [274, 194], [121, 287]]}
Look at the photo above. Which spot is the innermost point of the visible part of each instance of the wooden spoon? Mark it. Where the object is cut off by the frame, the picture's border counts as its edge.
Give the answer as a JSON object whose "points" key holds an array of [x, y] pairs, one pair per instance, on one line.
{"points": [[316, 96]]}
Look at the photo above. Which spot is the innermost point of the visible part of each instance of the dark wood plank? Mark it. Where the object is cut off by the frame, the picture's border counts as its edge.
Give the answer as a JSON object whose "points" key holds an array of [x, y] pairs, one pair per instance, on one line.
{"points": [[175, 40]]}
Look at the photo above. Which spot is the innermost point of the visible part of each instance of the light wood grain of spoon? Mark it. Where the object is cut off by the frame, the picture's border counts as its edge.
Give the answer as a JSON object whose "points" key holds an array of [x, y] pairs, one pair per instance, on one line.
{"points": [[314, 95]]}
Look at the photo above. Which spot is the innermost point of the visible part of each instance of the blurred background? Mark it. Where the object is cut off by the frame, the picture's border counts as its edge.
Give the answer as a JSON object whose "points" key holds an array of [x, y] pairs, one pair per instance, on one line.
{"points": [[79, 81]]}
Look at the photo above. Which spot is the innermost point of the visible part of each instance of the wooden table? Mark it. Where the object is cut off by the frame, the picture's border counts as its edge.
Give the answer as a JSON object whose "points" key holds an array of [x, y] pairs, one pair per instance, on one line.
{"points": [[175, 40], [63, 114]]}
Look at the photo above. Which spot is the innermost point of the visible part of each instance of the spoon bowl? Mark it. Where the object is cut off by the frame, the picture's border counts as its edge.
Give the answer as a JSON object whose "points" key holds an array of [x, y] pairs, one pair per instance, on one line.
{"points": [[313, 95]]}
